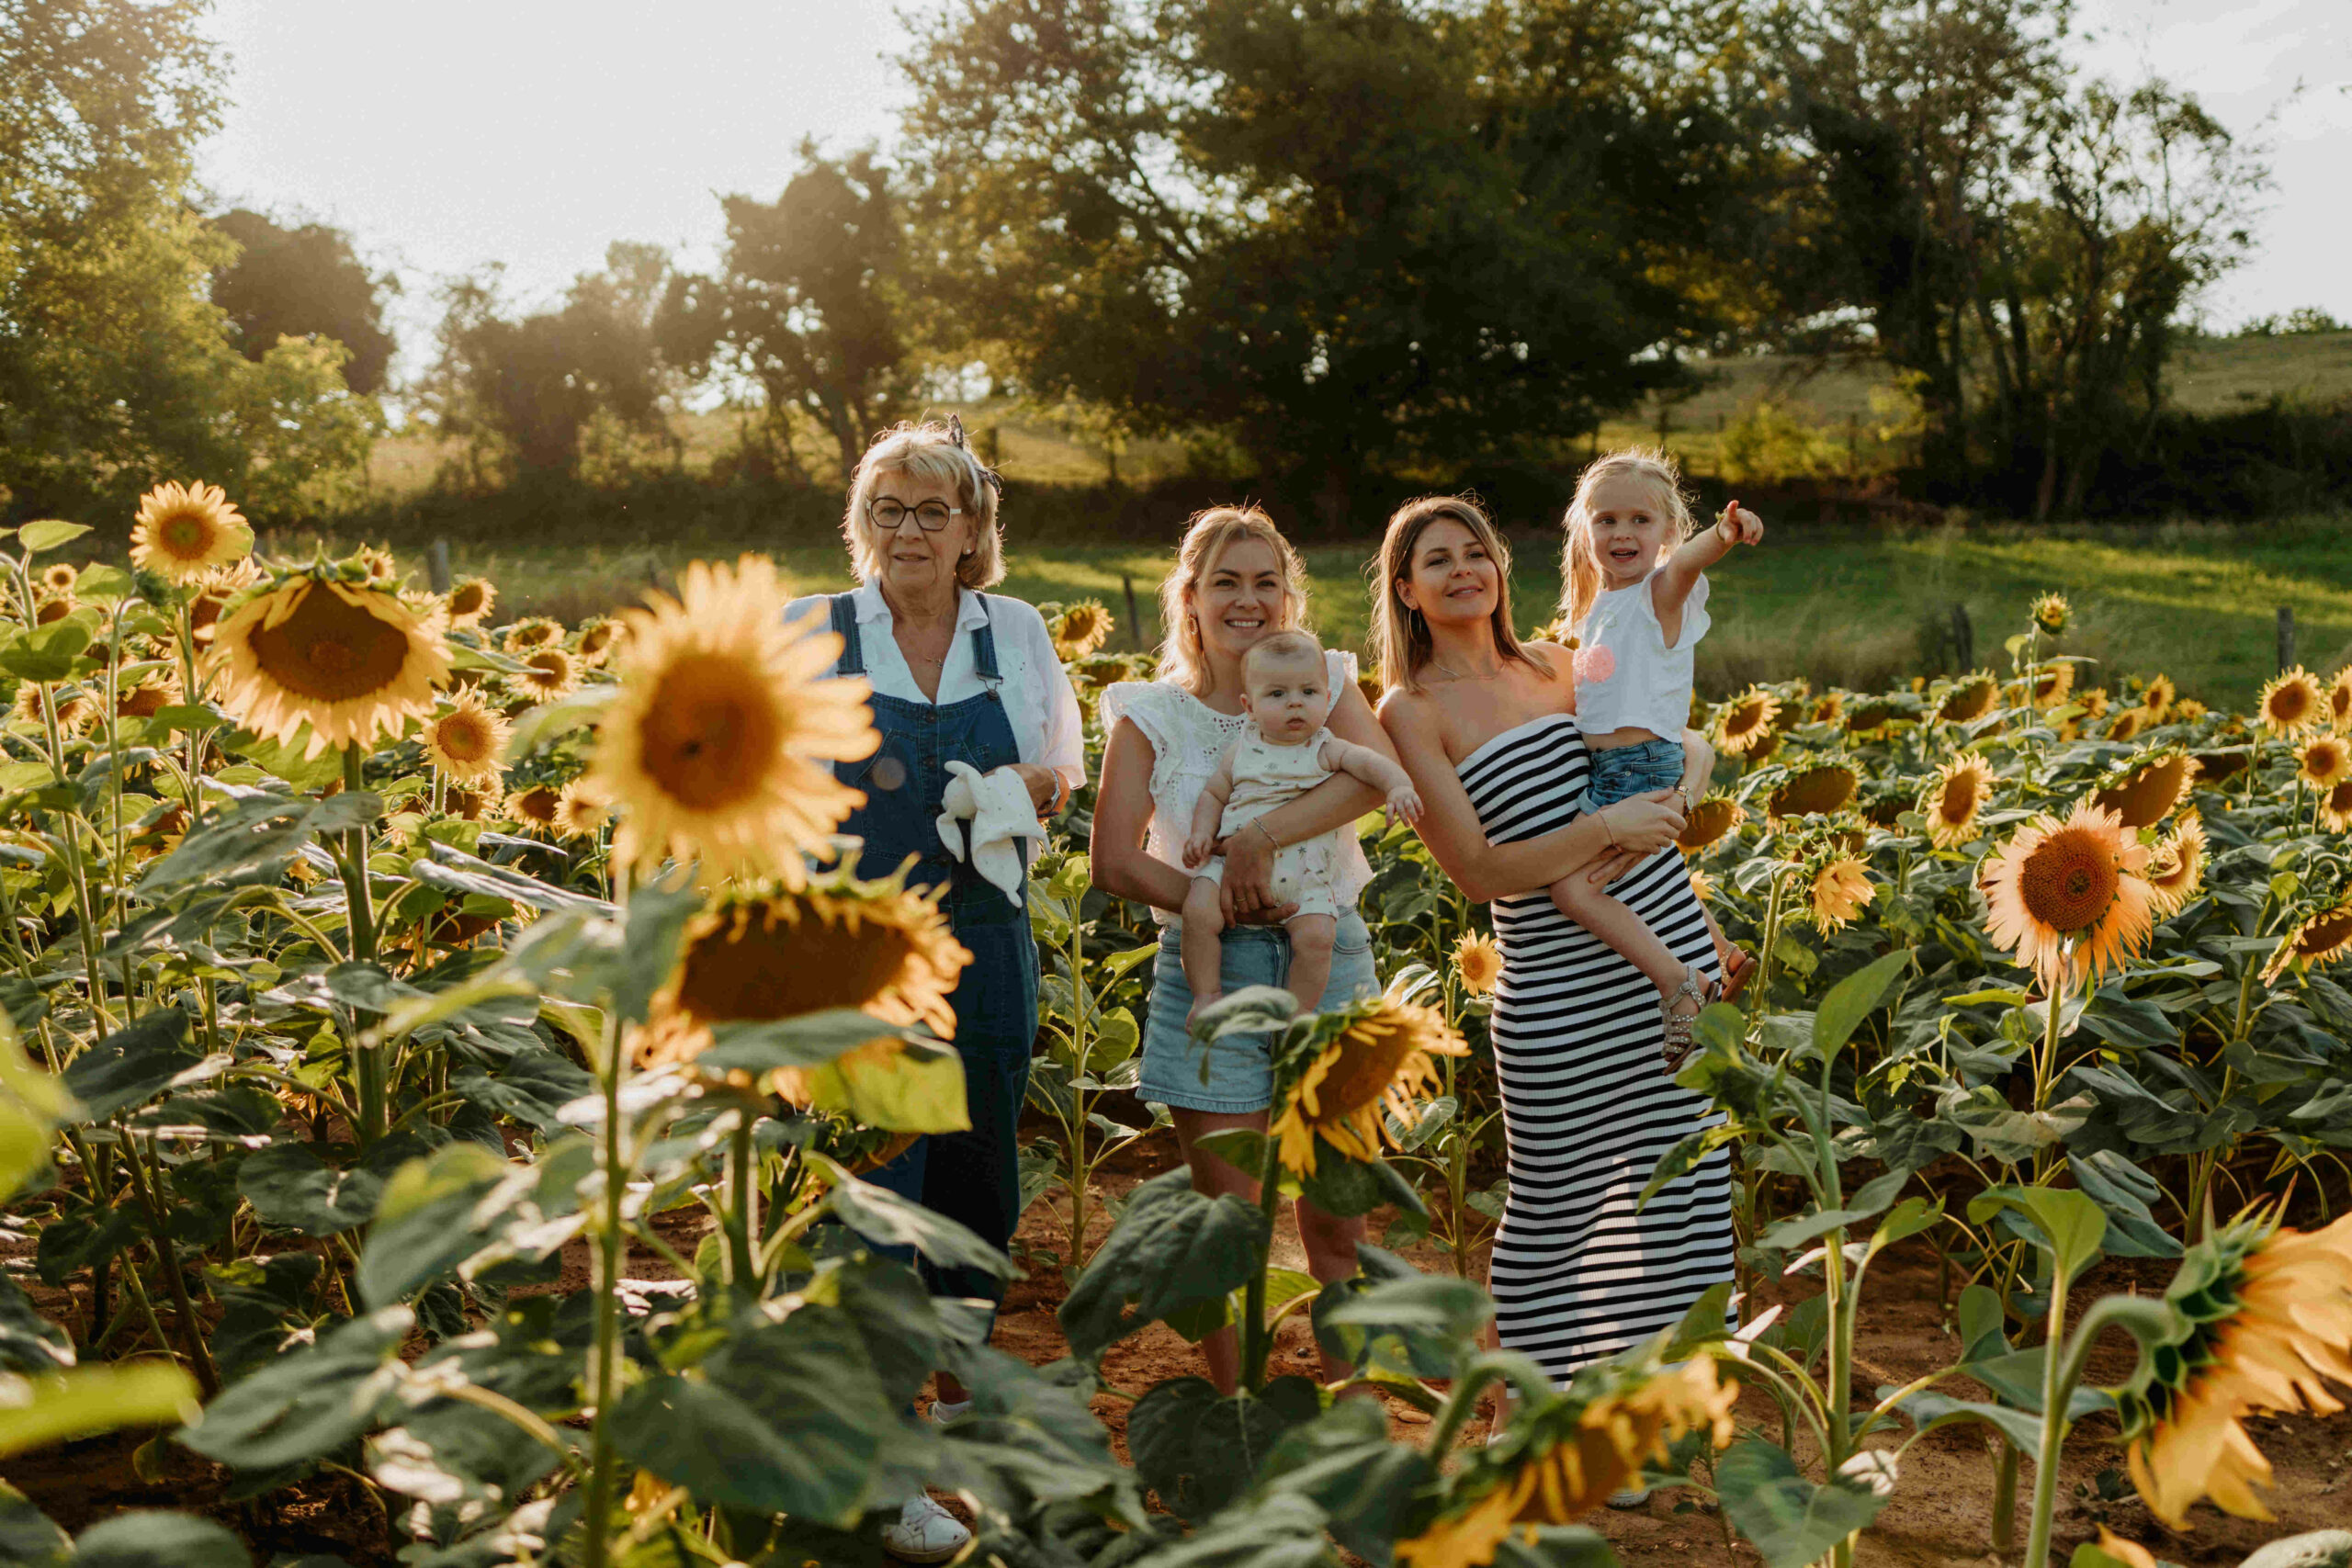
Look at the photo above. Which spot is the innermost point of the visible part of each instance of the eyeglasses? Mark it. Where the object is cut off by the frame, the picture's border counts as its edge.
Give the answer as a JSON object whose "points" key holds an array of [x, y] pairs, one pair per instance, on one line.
{"points": [[931, 516]]}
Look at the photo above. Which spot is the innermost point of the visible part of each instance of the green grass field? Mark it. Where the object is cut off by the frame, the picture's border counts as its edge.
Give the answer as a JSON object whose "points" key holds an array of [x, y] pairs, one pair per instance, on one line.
{"points": [[1842, 606]]}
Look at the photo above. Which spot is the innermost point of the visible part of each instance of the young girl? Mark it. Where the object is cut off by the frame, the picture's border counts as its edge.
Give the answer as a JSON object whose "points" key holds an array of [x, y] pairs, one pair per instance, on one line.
{"points": [[1285, 753], [1638, 612]]}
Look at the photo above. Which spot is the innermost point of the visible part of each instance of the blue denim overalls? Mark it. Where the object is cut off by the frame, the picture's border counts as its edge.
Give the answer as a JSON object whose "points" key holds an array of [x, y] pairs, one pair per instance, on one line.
{"points": [[973, 1177]]}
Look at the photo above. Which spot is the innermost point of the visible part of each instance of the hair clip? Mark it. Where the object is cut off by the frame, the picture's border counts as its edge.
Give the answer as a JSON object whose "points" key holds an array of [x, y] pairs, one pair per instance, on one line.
{"points": [[955, 433]]}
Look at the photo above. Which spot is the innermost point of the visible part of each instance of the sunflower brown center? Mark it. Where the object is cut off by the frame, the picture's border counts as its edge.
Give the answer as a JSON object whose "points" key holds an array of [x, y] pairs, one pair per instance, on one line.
{"points": [[465, 738], [535, 803], [467, 600], [2325, 933], [2290, 704], [710, 731], [1960, 798], [2069, 881], [331, 650], [1368, 1064], [784, 971], [187, 534]]}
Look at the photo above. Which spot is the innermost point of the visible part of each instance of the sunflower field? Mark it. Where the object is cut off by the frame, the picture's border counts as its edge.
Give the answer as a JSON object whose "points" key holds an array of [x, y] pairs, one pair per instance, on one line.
{"points": [[438, 1055]]}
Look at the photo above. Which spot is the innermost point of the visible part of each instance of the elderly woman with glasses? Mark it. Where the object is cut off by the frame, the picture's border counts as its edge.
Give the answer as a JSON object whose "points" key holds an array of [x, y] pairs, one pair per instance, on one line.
{"points": [[960, 676]]}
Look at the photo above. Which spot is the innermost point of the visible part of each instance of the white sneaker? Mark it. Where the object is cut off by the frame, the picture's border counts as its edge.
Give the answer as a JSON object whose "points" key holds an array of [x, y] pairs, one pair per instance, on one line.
{"points": [[925, 1533], [942, 1411], [1629, 1499]]}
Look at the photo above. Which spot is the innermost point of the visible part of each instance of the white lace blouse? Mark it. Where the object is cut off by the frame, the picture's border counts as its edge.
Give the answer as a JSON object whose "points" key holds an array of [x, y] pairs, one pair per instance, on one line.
{"points": [[1187, 738]]}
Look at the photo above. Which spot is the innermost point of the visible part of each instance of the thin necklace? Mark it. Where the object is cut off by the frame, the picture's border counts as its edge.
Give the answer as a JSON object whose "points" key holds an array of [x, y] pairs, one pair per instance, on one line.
{"points": [[1458, 675]]}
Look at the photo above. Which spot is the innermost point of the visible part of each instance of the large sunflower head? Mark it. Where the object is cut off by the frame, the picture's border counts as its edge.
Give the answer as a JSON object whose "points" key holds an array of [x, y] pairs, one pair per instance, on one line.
{"points": [[1081, 629], [548, 674], [1375, 1052], [2068, 897], [2128, 724], [471, 601], [2261, 1317], [1478, 962], [2049, 686], [1747, 721], [2292, 705], [2176, 865], [184, 533], [1827, 708], [1841, 885], [2335, 808], [2147, 793], [727, 714], [2050, 613], [2158, 698], [580, 813], [766, 952], [2321, 937], [596, 639], [1575, 1456], [465, 740], [2325, 761], [1955, 799], [530, 632], [1970, 699], [533, 807], [350, 661], [1709, 821], [1816, 791]]}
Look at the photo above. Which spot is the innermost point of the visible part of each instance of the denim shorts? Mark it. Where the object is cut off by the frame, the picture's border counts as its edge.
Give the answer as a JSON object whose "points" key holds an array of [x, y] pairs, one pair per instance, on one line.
{"points": [[1240, 1077], [1621, 773]]}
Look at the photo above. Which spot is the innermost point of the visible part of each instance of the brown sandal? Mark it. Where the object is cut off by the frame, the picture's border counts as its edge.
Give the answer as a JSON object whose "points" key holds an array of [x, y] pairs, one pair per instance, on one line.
{"points": [[1680, 1042], [1736, 978]]}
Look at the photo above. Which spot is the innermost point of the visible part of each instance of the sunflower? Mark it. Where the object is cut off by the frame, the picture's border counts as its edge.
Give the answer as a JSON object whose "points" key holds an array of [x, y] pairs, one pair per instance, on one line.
{"points": [[1816, 791], [1870, 719], [471, 805], [2176, 865], [151, 696], [2127, 724], [471, 600], [213, 596], [59, 578], [1379, 1055], [1747, 720], [1081, 629], [1761, 752], [2335, 808], [2158, 698], [579, 812], [431, 610], [770, 952], [2262, 1314], [2215, 766], [377, 563], [75, 714], [1478, 962], [2339, 700], [718, 743], [2049, 684], [2050, 613], [350, 663], [55, 609], [1709, 821], [530, 632], [2092, 703], [1971, 700], [533, 806], [2067, 897], [184, 533], [2292, 705], [596, 639], [2326, 762], [2318, 939], [464, 740], [1829, 709], [548, 674], [1840, 888], [2148, 795], [1954, 798], [1702, 887], [1614, 1436], [2188, 710]]}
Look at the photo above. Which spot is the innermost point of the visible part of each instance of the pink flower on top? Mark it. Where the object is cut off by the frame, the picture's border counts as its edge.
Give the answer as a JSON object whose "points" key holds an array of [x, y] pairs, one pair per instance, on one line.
{"points": [[1595, 664]]}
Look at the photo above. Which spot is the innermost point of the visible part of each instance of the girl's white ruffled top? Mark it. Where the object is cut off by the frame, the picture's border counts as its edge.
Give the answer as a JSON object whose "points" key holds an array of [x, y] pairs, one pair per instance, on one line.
{"points": [[1643, 682], [1187, 738]]}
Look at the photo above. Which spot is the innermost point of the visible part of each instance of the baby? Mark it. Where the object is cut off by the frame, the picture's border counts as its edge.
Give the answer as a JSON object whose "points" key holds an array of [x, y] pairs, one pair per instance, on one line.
{"points": [[1636, 595], [1285, 753]]}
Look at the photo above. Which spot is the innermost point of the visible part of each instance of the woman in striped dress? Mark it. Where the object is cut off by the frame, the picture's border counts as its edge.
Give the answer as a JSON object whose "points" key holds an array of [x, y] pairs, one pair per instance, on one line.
{"points": [[1487, 728]]}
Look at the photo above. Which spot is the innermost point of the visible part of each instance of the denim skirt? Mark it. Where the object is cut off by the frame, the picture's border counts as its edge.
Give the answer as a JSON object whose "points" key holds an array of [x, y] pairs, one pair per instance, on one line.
{"points": [[1240, 1074]]}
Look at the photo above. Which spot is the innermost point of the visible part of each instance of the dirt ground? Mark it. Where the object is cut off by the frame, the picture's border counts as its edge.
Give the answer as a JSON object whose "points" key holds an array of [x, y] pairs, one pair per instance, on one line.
{"points": [[1940, 1514]]}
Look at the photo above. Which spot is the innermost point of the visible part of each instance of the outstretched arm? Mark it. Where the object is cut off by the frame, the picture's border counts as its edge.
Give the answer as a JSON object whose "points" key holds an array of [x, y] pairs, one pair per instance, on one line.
{"points": [[1673, 583], [1369, 767]]}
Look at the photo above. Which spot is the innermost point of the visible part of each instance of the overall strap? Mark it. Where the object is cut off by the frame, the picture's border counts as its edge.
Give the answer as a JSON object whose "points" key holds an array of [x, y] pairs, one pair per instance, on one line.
{"points": [[852, 659], [984, 649]]}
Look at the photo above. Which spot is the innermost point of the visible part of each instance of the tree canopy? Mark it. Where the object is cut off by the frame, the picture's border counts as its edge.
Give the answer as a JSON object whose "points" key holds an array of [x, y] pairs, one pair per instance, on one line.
{"points": [[304, 281]]}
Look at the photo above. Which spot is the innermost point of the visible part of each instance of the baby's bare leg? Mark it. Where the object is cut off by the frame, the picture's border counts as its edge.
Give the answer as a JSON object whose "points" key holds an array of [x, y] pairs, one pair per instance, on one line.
{"points": [[1594, 908], [1203, 951], [1310, 958]]}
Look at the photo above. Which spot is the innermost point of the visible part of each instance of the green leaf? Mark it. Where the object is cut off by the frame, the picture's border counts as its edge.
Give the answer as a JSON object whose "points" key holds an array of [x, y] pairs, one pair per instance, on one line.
{"points": [[1788, 1518], [1171, 1248], [309, 1402], [81, 1401], [131, 1065], [100, 583], [1200, 1450], [1928, 1410], [48, 533], [46, 653], [1344, 1461], [1854, 999], [544, 723], [810, 1040], [424, 1222], [918, 1088], [882, 1215], [289, 1185], [29, 1538], [534, 1087], [2070, 1224], [1437, 1317], [142, 1538]]}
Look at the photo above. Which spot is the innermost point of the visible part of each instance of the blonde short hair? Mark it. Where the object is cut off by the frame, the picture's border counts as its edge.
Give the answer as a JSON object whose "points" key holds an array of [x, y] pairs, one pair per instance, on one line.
{"points": [[1296, 644], [936, 452], [1206, 538]]}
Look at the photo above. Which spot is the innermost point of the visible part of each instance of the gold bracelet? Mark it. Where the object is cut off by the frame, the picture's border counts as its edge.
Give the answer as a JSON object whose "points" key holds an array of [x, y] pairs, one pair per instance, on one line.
{"points": [[1272, 842], [1605, 828]]}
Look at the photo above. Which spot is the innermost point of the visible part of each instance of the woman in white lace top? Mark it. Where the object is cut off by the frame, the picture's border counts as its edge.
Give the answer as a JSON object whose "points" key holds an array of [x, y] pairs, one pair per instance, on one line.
{"points": [[1236, 580]]}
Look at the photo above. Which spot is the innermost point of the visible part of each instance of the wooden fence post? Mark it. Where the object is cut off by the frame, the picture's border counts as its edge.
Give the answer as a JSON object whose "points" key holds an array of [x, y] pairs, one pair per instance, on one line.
{"points": [[2286, 638], [436, 562], [1135, 621]]}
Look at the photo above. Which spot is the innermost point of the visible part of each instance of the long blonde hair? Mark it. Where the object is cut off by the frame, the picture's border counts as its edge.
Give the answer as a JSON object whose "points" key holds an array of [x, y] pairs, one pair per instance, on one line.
{"points": [[1401, 637], [1206, 538], [1580, 573]]}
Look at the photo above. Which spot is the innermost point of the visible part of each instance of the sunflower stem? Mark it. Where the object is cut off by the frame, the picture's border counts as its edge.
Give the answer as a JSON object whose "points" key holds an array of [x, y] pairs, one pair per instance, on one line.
{"points": [[1257, 1342], [167, 1258], [743, 1269], [605, 1366], [2005, 1498], [367, 1063]]}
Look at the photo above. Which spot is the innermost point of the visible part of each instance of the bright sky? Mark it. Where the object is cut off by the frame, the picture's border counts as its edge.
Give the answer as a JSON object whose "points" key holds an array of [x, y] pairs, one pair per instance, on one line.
{"points": [[447, 133]]}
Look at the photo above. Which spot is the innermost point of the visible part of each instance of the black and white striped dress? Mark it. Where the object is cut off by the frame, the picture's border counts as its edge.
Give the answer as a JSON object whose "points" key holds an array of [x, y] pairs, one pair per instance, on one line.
{"points": [[1580, 1273]]}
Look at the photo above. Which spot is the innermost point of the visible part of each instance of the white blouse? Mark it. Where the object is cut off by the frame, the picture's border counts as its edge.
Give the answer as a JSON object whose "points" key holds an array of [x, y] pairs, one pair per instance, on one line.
{"points": [[1038, 700], [1643, 682], [1187, 738]]}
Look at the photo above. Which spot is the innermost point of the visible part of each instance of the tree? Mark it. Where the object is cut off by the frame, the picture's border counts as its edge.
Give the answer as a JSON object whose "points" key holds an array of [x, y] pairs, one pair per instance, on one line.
{"points": [[1353, 232], [306, 281], [808, 304]]}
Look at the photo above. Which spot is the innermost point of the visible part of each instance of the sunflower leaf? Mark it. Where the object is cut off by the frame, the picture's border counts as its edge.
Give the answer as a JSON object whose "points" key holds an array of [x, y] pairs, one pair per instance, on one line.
{"points": [[1172, 1247]]}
